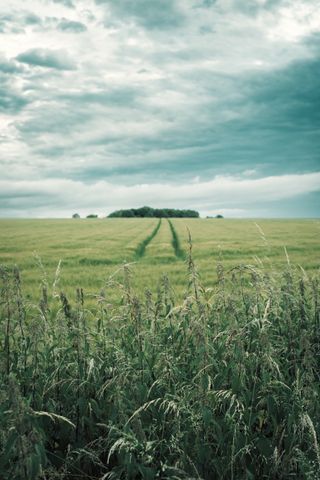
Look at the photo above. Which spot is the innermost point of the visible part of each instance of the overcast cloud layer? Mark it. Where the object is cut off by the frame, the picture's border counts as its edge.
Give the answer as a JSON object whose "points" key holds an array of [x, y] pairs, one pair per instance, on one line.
{"points": [[205, 104]]}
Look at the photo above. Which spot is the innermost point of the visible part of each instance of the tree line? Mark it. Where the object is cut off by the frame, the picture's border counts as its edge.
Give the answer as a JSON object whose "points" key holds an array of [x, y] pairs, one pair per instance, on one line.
{"points": [[154, 212]]}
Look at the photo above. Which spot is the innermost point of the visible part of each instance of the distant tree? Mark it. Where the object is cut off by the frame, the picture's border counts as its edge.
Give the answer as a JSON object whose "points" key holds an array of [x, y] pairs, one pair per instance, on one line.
{"points": [[145, 212], [129, 213], [154, 212], [76, 215], [158, 212], [92, 215], [219, 216]]}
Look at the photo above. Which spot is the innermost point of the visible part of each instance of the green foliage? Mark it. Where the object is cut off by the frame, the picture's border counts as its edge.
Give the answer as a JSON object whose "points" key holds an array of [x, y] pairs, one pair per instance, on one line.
{"points": [[154, 212], [223, 385], [92, 215]]}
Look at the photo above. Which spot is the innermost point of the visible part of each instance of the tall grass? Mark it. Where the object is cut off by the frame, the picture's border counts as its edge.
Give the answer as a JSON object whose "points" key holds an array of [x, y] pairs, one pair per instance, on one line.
{"points": [[224, 385]]}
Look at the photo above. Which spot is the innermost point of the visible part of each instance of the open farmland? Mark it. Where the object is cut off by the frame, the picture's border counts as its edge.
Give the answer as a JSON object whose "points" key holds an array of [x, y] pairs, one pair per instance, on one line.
{"points": [[198, 377], [92, 250]]}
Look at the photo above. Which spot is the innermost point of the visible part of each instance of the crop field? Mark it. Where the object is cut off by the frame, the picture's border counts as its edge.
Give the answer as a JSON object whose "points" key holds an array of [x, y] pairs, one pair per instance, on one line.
{"points": [[145, 356], [92, 250]]}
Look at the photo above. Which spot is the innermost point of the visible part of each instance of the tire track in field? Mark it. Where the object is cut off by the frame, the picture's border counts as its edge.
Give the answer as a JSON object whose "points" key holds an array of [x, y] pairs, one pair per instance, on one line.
{"points": [[141, 248], [178, 251]]}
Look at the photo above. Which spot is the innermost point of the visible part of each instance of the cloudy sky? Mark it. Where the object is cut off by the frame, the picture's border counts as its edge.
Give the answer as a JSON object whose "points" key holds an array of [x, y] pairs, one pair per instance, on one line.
{"points": [[205, 104]]}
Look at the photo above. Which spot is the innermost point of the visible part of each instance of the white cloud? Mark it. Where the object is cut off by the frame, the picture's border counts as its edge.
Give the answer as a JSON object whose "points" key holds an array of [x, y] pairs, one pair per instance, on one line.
{"points": [[188, 88], [295, 21], [224, 194]]}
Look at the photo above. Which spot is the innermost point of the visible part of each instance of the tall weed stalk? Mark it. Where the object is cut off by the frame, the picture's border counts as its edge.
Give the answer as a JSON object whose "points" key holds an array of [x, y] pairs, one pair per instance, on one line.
{"points": [[223, 385]]}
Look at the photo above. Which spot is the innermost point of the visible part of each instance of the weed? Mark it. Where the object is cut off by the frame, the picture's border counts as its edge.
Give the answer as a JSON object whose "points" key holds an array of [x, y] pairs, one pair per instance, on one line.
{"points": [[224, 384]]}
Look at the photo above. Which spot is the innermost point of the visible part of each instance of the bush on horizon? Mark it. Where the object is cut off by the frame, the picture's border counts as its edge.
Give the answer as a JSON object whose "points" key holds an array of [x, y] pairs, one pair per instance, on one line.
{"points": [[154, 212]]}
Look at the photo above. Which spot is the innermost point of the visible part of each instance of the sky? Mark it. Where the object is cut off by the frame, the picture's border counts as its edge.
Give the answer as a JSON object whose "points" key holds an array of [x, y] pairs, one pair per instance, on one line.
{"points": [[212, 105]]}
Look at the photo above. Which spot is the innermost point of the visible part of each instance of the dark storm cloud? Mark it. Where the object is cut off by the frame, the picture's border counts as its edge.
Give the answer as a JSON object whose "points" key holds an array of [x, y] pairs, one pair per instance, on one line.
{"points": [[51, 123], [9, 66], [16, 23], [113, 96], [72, 109], [289, 97], [150, 14], [71, 26], [276, 123], [66, 3], [207, 3], [11, 103], [41, 57], [8, 24], [197, 96], [284, 117], [11, 100], [32, 19], [252, 7]]}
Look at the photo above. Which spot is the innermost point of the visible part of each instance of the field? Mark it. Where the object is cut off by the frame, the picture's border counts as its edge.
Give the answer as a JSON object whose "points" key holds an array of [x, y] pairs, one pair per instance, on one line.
{"points": [[92, 250], [125, 362]]}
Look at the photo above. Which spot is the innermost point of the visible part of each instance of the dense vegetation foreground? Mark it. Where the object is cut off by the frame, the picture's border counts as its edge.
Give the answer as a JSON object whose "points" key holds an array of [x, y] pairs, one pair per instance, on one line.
{"points": [[223, 386]]}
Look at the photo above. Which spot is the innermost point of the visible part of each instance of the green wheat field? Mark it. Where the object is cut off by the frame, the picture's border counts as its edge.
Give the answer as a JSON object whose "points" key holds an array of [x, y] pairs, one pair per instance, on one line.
{"points": [[90, 250], [156, 349]]}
